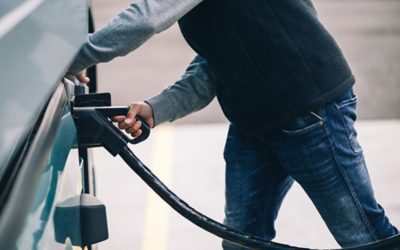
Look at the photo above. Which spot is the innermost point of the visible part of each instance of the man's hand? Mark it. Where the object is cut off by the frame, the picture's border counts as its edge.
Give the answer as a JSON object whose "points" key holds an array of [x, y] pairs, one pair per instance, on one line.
{"points": [[80, 76], [130, 124]]}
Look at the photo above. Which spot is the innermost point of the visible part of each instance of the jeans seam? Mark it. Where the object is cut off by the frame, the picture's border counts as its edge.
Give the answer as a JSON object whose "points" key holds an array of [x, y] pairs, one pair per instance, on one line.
{"points": [[286, 183], [353, 148], [350, 189]]}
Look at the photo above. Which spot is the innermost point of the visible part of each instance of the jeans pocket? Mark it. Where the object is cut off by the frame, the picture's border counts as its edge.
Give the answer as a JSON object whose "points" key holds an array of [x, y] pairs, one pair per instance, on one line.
{"points": [[303, 124], [347, 111]]}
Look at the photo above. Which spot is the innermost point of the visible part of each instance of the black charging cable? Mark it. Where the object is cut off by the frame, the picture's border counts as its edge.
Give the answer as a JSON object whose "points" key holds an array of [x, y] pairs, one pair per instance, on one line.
{"points": [[191, 214]]}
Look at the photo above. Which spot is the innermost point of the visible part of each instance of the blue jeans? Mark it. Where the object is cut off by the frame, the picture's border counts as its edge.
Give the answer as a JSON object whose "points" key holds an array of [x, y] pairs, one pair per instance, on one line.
{"points": [[319, 150]]}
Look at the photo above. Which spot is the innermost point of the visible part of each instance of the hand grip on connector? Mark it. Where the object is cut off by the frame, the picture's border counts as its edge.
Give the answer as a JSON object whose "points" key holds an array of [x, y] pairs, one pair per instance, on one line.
{"points": [[123, 110]]}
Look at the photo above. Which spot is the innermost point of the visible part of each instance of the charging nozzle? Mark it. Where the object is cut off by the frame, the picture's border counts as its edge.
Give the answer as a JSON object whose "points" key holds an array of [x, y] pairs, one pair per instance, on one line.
{"points": [[95, 127]]}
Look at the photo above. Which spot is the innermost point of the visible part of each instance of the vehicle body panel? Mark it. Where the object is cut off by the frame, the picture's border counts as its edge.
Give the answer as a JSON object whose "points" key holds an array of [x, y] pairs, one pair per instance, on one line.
{"points": [[38, 40], [61, 179], [40, 165]]}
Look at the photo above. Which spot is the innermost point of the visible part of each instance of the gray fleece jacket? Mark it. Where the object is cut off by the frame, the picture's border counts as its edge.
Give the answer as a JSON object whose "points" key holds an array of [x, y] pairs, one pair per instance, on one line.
{"points": [[130, 29]]}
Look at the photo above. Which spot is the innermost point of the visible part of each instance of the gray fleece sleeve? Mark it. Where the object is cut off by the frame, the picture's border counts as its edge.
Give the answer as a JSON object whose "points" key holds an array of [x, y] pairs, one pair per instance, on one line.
{"points": [[128, 30], [195, 90]]}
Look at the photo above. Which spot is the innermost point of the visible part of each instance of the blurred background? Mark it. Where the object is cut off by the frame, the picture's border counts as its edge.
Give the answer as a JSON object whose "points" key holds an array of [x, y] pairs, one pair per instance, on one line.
{"points": [[188, 154]]}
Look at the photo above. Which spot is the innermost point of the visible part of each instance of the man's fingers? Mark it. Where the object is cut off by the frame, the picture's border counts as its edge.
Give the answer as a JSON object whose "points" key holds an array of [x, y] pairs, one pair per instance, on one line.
{"points": [[124, 125], [129, 123], [134, 128], [82, 78], [131, 116], [137, 133], [118, 119]]}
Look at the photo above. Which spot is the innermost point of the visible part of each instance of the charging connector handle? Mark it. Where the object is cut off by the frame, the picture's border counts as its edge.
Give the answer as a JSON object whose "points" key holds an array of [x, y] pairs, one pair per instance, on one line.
{"points": [[123, 110], [95, 128]]}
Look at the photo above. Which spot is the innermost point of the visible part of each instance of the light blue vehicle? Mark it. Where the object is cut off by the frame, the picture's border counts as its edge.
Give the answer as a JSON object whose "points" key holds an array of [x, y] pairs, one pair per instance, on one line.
{"points": [[46, 183]]}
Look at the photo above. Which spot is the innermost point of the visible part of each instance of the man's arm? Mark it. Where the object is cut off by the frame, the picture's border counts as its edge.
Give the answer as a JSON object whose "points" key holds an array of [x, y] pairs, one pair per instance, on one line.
{"points": [[129, 29], [194, 91]]}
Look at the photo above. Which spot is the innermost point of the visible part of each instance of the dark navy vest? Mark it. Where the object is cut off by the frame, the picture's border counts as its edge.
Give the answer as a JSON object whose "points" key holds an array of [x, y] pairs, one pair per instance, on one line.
{"points": [[273, 59]]}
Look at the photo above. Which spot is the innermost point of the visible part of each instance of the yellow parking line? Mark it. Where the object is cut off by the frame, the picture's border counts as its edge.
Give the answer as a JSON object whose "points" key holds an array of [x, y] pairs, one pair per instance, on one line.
{"points": [[155, 232]]}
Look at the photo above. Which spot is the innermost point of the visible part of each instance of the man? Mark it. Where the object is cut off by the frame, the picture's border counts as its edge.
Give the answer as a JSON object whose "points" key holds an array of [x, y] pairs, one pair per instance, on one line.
{"points": [[286, 88]]}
